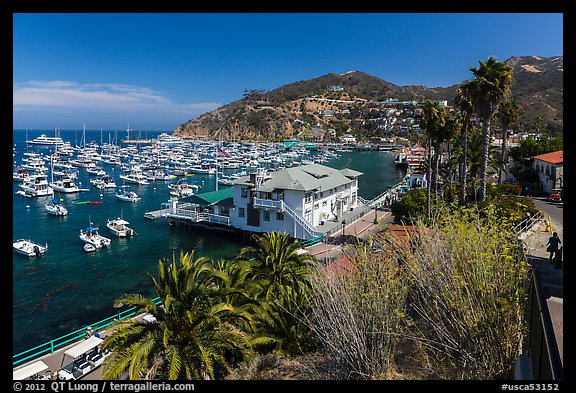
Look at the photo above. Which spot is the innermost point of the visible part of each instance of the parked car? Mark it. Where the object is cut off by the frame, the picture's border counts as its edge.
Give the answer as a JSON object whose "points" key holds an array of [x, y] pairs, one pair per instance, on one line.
{"points": [[555, 196]]}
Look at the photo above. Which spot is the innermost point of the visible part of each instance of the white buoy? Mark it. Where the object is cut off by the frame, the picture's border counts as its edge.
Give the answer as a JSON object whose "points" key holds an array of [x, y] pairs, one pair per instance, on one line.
{"points": [[154, 188], [61, 199], [27, 206], [101, 195]]}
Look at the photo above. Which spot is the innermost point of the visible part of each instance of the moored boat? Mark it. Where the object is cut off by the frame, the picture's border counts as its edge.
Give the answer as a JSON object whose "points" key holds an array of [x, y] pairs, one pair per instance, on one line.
{"points": [[118, 227], [127, 196], [91, 236], [89, 247], [55, 208], [29, 248]]}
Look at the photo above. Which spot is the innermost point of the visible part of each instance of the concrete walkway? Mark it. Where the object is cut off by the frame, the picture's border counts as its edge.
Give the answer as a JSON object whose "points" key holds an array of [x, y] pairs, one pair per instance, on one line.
{"points": [[333, 248]]}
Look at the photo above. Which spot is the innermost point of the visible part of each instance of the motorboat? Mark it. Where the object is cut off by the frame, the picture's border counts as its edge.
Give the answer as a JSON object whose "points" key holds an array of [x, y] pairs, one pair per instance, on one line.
{"points": [[118, 227], [55, 208], [90, 235], [36, 185], [127, 196], [44, 140], [103, 182], [29, 248], [181, 189], [135, 175], [66, 185], [20, 174]]}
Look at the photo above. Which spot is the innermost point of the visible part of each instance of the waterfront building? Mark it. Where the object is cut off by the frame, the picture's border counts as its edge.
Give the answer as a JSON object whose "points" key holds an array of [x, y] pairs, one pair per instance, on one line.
{"points": [[305, 201], [297, 200]]}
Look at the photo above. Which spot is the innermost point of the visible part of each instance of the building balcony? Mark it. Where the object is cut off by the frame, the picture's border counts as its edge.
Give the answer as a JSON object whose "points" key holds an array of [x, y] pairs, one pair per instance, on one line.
{"points": [[260, 203]]}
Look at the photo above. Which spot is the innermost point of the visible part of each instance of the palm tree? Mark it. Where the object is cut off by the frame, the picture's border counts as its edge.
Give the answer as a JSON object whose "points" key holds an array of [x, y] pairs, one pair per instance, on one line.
{"points": [[509, 113], [475, 156], [282, 275], [450, 131], [432, 121], [463, 102], [276, 263], [488, 90], [195, 335]]}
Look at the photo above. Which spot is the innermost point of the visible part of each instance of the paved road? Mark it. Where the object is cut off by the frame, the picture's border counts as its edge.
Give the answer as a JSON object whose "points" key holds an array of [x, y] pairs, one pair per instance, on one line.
{"points": [[552, 279], [554, 210]]}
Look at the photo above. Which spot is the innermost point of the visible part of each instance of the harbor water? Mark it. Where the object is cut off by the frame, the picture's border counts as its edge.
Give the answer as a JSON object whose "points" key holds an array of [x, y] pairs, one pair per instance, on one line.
{"points": [[67, 288]]}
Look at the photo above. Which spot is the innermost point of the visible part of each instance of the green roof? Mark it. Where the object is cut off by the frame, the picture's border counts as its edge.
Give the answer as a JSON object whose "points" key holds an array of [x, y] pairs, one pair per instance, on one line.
{"points": [[307, 178], [221, 198]]}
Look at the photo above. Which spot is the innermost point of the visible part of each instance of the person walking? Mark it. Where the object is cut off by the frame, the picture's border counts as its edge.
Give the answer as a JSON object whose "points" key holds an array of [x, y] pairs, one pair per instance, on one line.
{"points": [[553, 243]]}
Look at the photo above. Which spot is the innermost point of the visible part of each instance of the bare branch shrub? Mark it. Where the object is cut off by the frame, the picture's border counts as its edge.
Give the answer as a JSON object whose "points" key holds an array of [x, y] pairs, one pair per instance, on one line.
{"points": [[356, 313], [466, 295]]}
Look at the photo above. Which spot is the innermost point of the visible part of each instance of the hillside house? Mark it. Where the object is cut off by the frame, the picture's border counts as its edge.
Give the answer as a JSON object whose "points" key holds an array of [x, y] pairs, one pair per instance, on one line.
{"points": [[550, 170]]}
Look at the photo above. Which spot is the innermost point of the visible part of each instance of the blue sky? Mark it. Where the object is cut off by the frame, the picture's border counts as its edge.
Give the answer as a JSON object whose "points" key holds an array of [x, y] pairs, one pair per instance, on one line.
{"points": [[156, 71]]}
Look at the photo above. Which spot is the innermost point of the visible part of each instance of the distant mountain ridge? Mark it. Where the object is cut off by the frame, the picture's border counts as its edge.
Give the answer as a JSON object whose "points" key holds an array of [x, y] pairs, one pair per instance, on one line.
{"points": [[285, 111]]}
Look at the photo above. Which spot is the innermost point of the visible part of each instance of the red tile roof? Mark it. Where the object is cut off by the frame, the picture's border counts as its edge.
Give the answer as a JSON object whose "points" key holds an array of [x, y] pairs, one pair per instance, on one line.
{"points": [[341, 267], [556, 157]]}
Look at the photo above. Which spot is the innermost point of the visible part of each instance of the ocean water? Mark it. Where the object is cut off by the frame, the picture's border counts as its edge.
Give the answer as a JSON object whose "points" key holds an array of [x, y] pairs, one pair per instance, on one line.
{"points": [[67, 288]]}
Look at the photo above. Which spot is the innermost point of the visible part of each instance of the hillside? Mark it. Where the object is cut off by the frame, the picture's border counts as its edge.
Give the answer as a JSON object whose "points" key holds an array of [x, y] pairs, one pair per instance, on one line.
{"points": [[339, 102], [538, 87]]}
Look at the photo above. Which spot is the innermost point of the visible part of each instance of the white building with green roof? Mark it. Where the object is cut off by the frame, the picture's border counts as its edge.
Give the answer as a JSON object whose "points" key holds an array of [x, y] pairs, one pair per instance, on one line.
{"points": [[297, 200]]}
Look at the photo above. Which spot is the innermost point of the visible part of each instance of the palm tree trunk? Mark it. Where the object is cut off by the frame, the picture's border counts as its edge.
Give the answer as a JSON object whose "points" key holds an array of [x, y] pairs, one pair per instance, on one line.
{"points": [[504, 142], [435, 172], [463, 177], [484, 163], [429, 177]]}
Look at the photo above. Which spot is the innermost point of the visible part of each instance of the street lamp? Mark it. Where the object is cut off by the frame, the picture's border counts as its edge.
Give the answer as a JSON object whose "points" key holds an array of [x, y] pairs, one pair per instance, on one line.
{"points": [[343, 227], [375, 214], [118, 306]]}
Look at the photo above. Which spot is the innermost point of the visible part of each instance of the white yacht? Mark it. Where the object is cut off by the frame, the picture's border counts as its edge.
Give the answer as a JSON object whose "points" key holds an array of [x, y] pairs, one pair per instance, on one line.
{"points": [[44, 140], [118, 227], [36, 185], [165, 140], [66, 185], [135, 176]]}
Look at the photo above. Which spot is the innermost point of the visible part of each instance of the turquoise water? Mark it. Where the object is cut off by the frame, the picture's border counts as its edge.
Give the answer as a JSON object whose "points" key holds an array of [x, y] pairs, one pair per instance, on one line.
{"points": [[67, 288]]}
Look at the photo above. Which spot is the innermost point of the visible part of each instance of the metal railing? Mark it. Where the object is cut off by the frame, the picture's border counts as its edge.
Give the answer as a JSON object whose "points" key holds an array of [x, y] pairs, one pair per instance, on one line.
{"points": [[302, 222], [269, 203], [52, 346], [527, 223], [349, 221], [542, 348]]}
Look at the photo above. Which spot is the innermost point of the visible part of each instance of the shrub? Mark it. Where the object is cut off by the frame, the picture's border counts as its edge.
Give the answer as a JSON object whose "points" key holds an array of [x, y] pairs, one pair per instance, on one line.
{"points": [[466, 295], [357, 316]]}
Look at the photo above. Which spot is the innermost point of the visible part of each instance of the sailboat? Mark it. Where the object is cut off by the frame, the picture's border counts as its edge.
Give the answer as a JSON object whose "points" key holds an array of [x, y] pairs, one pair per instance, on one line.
{"points": [[54, 207]]}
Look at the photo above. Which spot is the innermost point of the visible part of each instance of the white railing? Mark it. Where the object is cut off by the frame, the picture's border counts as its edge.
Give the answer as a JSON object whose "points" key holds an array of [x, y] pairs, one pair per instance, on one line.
{"points": [[528, 223], [302, 222], [269, 203], [199, 216]]}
